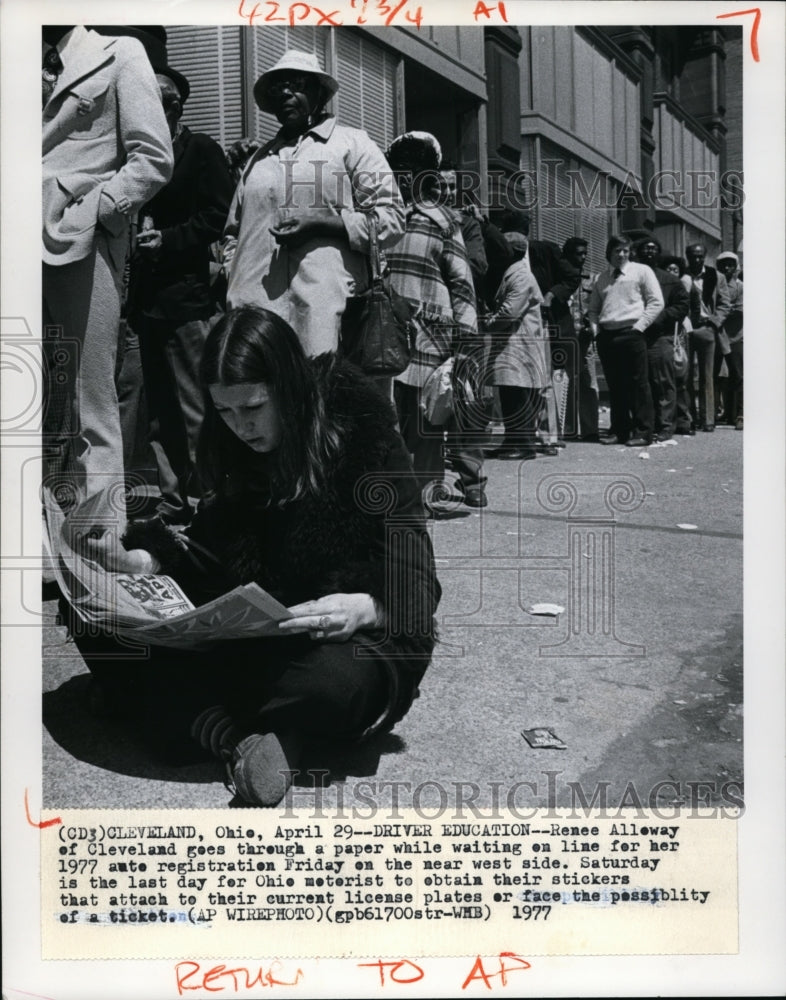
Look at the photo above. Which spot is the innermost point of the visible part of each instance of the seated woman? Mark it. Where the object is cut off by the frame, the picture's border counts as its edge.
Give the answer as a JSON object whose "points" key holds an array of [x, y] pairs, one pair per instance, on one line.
{"points": [[312, 496]]}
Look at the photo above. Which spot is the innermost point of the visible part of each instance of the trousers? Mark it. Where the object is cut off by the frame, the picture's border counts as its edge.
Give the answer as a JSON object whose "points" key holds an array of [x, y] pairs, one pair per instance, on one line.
{"points": [[424, 440], [171, 354], [288, 684], [702, 362], [660, 370], [82, 439], [520, 411], [623, 354]]}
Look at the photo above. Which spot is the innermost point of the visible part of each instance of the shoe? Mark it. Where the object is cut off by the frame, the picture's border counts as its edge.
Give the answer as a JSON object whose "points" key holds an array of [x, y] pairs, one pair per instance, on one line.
{"points": [[495, 452], [738, 424], [708, 428], [560, 443], [474, 496], [516, 454], [612, 439], [663, 436], [639, 442], [685, 431], [263, 765], [548, 449], [259, 766]]}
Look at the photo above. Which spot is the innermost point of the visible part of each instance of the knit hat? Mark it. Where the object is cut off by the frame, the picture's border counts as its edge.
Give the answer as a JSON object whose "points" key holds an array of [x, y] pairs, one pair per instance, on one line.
{"points": [[295, 62], [414, 151]]}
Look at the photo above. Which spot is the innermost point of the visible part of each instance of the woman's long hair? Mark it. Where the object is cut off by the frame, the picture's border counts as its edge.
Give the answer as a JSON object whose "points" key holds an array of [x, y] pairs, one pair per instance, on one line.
{"points": [[249, 345]]}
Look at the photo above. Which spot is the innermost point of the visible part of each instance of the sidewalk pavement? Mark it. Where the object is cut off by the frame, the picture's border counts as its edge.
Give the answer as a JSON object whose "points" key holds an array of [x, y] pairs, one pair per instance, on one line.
{"points": [[646, 688]]}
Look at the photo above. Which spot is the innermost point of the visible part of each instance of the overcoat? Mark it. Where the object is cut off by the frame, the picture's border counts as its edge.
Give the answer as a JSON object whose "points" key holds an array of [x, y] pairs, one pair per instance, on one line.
{"points": [[520, 353], [105, 144]]}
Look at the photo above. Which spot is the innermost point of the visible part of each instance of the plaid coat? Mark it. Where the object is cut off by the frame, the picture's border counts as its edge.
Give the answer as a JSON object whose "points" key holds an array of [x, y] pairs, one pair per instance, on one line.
{"points": [[429, 268]]}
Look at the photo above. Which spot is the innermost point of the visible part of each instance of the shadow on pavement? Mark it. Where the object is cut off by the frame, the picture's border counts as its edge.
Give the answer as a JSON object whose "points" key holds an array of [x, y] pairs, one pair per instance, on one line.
{"points": [[114, 745]]}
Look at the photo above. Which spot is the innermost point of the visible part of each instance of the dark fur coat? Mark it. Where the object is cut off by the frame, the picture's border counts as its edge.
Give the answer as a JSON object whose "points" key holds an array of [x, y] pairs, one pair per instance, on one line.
{"points": [[364, 533]]}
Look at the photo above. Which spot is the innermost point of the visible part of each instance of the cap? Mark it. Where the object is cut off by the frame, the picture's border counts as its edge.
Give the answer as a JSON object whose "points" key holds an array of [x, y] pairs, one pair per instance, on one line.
{"points": [[727, 255], [517, 241]]}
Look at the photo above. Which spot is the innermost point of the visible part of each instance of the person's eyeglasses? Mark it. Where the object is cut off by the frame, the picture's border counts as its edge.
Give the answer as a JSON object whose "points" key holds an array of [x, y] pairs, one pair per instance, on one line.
{"points": [[293, 84]]}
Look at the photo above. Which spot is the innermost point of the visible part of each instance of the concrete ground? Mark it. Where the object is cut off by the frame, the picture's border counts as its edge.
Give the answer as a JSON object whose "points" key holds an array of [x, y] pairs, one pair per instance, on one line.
{"points": [[628, 722]]}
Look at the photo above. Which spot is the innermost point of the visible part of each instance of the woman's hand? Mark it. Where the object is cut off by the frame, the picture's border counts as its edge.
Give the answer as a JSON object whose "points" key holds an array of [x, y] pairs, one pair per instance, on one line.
{"points": [[294, 228], [334, 618], [108, 552]]}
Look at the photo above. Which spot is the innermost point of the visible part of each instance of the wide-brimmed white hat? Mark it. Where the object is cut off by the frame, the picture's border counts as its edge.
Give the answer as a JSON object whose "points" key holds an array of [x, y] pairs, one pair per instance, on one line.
{"points": [[293, 62]]}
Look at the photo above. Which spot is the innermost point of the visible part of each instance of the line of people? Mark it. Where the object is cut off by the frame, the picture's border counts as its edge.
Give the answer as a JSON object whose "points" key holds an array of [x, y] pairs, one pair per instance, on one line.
{"points": [[291, 216]]}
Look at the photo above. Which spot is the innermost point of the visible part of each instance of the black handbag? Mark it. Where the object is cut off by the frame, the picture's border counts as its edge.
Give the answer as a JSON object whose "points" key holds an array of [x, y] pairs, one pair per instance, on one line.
{"points": [[376, 333]]}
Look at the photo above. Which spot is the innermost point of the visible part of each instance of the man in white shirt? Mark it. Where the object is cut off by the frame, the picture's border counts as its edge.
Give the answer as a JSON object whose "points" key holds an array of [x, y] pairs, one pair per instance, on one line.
{"points": [[625, 300]]}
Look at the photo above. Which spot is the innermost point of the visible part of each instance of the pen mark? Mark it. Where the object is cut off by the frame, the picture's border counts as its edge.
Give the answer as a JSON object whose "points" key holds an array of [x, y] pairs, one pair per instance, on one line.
{"points": [[40, 825], [756, 11]]}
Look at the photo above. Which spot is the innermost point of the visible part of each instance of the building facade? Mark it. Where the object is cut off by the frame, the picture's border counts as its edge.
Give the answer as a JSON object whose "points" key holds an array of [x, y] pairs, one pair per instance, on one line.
{"points": [[390, 80], [590, 130], [632, 129]]}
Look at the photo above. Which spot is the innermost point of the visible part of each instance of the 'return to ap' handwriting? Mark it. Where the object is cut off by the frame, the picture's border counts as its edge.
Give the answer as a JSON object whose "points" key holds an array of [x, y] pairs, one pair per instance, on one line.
{"points": [[190, 975], [371, 12], [404, 970]]}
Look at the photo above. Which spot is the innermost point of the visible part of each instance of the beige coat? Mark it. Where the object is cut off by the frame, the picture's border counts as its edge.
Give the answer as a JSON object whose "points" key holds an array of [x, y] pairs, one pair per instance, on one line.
{"points": [[106, 145], [520, 348]]}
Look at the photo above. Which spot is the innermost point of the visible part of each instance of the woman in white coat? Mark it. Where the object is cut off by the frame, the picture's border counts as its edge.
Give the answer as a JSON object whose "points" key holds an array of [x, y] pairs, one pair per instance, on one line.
{"points": [[519, 364], [297, 237]]}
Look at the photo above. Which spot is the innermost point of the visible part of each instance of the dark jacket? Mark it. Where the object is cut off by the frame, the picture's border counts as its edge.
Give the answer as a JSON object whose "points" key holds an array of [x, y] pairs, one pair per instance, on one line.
{"points": [[715, 294], [364, 533], [568, 278], [677, 304], [190, 211], [544, 262]]}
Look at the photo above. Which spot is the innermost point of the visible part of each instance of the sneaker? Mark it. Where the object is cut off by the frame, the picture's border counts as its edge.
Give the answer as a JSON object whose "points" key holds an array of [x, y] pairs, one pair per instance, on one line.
{"points": [[259, 766], [263, 765]]}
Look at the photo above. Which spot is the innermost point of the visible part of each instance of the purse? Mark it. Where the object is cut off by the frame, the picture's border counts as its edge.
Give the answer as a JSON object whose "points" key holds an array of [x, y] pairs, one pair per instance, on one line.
{"points": [[680, 354], [376, 333]]}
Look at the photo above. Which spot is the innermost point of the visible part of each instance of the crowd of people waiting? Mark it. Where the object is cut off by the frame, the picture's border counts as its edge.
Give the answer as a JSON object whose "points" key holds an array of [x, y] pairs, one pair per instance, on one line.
{"points": [[239, 269]]}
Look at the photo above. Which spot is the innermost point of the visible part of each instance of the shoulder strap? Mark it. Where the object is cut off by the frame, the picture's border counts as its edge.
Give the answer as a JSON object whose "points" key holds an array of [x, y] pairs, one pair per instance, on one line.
{"points": [[373, 248]]}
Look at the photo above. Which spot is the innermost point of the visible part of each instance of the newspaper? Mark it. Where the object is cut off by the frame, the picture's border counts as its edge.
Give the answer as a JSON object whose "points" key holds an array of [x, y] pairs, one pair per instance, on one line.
{"points": [[147, 607]]}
